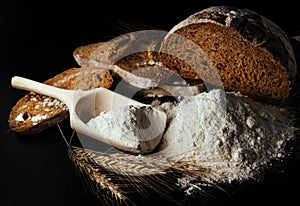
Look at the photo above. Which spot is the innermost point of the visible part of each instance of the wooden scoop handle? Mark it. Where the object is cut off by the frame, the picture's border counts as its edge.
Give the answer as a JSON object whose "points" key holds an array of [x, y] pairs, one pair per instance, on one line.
{"points": [[44, 89]]}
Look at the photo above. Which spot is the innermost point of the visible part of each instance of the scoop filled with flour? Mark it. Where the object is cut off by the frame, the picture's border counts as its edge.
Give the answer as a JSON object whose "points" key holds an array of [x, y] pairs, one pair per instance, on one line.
{"points": [[138, 127], [230, 134]]}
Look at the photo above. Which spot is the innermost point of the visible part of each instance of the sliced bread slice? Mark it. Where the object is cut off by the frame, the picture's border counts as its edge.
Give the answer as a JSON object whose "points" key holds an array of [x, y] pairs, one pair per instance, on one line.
{"points": [[34, 112], [137, 68]]}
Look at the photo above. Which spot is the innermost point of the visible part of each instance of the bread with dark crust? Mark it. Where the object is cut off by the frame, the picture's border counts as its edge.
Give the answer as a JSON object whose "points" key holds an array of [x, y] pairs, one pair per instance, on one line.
{"points": [[34, 112], [246, 51]]}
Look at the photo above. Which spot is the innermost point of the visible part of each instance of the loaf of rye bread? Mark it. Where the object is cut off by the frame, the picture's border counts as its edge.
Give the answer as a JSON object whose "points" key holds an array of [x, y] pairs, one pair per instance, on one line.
{"points": [[238, 48], [131, 59], [145, 63], [113, 52], [34, 112]]}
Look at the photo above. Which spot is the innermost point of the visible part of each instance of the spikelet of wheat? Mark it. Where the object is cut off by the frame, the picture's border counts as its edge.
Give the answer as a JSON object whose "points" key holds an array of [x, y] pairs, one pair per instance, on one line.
{"points": [[115, 178], [103, 183]]}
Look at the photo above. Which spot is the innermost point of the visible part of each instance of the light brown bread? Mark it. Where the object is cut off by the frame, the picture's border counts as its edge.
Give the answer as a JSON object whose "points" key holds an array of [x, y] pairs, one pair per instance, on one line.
{"points": [[248, 52], [34, 113], [84, 53]]}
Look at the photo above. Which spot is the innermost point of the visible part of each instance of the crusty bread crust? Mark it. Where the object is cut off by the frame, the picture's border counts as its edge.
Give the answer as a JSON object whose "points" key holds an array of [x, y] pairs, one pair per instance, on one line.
{"points": [[142, 64], [83, 53], [34, 112], [249, 53]]}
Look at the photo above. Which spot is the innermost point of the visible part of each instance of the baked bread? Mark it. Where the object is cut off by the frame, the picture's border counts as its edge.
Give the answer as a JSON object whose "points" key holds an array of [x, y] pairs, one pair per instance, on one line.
{"points": [[131, 66], [83, 54], [243, 50], [103, 52], [34, 113]]}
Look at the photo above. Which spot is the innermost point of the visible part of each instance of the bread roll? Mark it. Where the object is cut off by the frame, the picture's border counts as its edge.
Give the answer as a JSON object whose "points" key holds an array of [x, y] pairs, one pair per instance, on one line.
{"points": [[247, 51]]}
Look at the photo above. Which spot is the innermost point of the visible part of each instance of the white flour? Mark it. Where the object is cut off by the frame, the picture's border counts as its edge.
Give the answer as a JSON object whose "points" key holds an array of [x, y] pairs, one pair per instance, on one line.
{"points": [[227, 133], [137, 127], [233, 136]]}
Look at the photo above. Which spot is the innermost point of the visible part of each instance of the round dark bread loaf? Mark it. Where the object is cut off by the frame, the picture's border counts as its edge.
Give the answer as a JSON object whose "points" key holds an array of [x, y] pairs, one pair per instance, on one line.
{"points": [[34, 112], [250, 53]]}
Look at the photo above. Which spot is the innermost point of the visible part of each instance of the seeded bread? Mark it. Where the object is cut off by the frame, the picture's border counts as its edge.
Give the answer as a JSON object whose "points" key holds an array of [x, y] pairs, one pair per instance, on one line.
{"points": [[91, 54], [34, 113], [145, 64], [248, 52]]}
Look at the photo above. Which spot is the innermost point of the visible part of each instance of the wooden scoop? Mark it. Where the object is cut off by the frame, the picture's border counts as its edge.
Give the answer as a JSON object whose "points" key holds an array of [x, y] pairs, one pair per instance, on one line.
{"points": [[84, 105]]}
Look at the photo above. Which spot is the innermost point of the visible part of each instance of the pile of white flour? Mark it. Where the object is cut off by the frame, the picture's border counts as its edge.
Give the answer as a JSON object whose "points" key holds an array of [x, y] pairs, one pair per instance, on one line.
{"points": [[138, 128], [228, 133]]}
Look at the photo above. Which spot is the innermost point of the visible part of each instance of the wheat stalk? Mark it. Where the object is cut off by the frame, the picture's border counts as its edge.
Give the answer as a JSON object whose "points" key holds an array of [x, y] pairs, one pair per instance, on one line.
{"points": [[95, 175], [114, 177], [102, 182], [123, 175], [117, 177]]}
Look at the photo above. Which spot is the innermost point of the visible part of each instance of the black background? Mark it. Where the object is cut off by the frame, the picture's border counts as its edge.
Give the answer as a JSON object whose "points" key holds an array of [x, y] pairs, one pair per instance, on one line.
{"points": [[37, 40]]}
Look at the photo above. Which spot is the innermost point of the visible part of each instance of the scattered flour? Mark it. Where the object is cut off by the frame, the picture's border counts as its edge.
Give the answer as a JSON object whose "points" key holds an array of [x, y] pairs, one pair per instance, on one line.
{"points": [[228, 133], [138, 128]]}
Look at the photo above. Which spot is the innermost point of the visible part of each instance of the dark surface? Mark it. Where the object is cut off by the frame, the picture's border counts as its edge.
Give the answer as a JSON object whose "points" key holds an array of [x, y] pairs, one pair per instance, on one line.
{"points": [[37, 41]]}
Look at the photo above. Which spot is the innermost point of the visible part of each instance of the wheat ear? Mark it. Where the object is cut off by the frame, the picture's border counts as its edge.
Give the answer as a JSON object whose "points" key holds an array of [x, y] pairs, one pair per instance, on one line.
{"points": [[116, 177], [99, 179], [94, 175]]}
